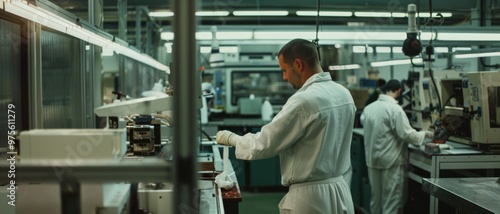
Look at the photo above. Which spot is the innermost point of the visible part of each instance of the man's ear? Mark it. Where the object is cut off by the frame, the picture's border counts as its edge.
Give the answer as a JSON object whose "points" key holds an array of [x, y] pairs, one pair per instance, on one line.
{"points": [[300, 66]]}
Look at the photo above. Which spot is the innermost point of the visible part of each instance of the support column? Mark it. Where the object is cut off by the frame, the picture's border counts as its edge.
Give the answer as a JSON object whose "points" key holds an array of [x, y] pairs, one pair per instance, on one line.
{"points": [[184, 72]]}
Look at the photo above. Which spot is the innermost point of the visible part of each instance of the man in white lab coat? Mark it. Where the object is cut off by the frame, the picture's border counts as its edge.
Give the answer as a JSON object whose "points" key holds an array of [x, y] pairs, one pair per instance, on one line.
{"points": [[387, 133], [312, 134]]}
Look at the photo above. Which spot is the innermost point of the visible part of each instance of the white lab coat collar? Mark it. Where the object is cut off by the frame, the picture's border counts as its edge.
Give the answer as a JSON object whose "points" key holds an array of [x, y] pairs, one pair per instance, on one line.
{"points": [[387, 98], [319, 77]]}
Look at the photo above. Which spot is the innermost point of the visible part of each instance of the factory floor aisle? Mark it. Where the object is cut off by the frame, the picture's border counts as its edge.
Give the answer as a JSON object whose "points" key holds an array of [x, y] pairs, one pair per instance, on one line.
{"points": [[260, 202], [266, 203]]}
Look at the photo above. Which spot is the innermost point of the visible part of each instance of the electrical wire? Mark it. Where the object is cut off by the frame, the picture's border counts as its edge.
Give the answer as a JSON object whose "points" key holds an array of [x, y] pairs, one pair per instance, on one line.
{"points": [[435, 88], [481, 59], [206, 134], [316, 41]]}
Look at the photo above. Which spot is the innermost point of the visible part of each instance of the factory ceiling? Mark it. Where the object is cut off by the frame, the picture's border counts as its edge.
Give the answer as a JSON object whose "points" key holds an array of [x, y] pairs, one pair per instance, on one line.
{"points": [[462, 12]]}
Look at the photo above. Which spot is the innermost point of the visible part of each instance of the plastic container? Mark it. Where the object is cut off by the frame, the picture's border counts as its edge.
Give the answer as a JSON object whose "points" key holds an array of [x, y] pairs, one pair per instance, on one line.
{"points": [[267, 110]]}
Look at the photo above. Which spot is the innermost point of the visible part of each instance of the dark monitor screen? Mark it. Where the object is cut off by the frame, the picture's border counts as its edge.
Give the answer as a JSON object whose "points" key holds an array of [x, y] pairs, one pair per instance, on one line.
{"points": [[263, 83]]}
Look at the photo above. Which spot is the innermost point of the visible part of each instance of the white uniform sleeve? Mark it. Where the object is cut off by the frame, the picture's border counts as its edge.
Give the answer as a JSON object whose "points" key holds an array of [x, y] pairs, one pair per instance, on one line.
{"points": [[282, 132], [362, 118], [405, 131]]}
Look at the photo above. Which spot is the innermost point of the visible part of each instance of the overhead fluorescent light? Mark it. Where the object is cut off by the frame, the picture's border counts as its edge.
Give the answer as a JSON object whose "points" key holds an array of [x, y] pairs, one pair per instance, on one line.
{"points": [[399, 15], [396, 62], [441, 49], [212, 13], [161, 14], [358, 35], [362, 49], [363, 35], [372, 14], [421, 15], [468, 37], [49, 19], [477, 55], [167, 36], [205, 35], [427, 15], [382, 49], [461, 49], [221, 35], [261, 13], [222, 49], [343, 67], [282, 35], [324, 13], [341, 35]]}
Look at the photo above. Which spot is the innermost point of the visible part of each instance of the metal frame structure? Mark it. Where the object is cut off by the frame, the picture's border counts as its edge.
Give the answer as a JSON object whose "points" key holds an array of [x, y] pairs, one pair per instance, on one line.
{"points": [[434, 164]]}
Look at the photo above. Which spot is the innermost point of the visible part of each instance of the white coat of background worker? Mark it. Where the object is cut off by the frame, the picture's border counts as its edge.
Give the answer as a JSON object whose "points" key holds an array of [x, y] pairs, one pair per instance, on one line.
{"points": [[312, 134], [387, 133]]}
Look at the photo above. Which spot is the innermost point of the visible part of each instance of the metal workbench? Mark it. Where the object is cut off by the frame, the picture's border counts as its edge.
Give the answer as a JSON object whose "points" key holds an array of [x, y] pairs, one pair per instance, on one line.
{"points": [[461, 157], [467, 195], [467, 158]]}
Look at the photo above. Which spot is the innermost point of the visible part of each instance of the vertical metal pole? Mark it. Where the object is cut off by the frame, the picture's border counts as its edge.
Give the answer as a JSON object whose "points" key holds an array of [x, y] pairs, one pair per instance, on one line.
{"points": [[392, 66], [149, 39], [186, 197], [122, 19], [122, 34], [138, 33], [35, 59], [94, 54]]}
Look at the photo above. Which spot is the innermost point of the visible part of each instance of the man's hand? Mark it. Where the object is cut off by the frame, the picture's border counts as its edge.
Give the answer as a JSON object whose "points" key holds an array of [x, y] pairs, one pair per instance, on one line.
{"points": [[226, 137]]}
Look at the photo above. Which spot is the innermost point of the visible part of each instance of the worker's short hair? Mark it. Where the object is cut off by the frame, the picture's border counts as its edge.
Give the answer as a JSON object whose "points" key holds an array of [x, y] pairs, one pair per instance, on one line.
{"points": [[392, 86], [300, 49]]}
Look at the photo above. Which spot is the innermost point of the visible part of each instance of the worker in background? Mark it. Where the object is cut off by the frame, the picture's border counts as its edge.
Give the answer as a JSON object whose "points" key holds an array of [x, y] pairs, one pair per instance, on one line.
{"points": [[312, 134], [374, 95], [387, 133]]}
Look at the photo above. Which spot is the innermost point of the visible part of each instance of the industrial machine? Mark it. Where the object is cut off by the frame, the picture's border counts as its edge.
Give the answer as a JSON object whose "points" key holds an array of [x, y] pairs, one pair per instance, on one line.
{"points": [[145, 133], [234, 84], [423, 100], [145, 126], [472, 109]]}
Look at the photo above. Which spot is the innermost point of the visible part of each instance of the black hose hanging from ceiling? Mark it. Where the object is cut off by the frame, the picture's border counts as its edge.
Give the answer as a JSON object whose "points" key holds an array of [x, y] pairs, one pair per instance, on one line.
{"points": [[317, 30]]}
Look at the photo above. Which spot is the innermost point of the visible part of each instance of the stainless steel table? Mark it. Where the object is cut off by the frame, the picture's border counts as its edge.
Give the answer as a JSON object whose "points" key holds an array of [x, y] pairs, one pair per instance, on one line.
{"points": [[467, 195]]}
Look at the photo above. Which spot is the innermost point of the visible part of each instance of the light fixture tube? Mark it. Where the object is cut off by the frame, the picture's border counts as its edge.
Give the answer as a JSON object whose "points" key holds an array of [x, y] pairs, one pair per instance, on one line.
{"points": [[47, 18], [343, 67], [468, 36], [362, 49], [282, 35], [476, 55], [395, 62], [161, 14], [212, 13], [324, 13], [372, 14], [222, 49], [260, 13], [427, 15], [229, 35]]}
